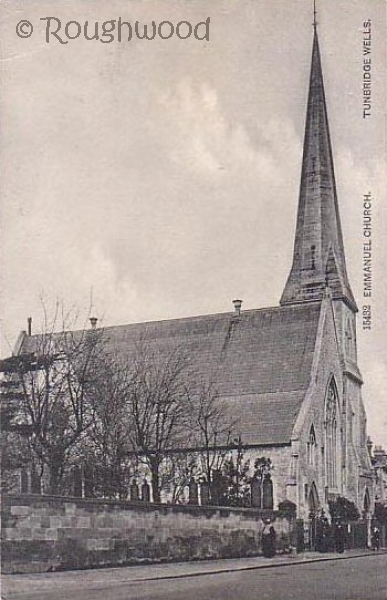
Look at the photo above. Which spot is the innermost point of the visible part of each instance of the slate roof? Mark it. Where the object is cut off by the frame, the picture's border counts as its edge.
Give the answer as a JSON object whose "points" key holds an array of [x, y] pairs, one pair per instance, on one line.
{"points": [[259, 362]]}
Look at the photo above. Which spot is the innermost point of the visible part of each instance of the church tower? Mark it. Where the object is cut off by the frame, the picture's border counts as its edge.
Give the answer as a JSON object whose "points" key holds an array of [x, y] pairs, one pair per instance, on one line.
{"points": [[318, 258], [319, 270]]}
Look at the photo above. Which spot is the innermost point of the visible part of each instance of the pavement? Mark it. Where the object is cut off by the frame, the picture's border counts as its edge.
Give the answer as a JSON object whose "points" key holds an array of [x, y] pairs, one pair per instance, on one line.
{"points": [[96, 577], [210, 567]]}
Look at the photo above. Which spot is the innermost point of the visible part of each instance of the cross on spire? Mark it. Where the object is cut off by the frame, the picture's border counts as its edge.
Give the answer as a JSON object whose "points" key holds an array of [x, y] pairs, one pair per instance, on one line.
{"points": [[314, 15]]}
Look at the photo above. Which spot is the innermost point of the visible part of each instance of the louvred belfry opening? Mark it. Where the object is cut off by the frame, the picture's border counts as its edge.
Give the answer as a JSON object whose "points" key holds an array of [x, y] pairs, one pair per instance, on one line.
{"points": [[318, 257]]}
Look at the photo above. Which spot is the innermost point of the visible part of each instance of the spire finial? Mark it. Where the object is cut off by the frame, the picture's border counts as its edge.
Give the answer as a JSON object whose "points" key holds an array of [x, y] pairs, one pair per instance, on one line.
{"points": [[314, 15]]}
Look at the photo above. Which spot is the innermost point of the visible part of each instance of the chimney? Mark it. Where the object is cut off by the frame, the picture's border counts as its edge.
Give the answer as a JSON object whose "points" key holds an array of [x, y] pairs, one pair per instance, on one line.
{"points": [[29, 326], [93, 322], [237, 307]]}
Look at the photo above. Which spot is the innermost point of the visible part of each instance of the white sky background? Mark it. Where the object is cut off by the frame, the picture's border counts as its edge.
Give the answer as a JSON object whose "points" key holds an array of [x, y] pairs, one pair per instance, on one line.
{"points": [[161, 177]]}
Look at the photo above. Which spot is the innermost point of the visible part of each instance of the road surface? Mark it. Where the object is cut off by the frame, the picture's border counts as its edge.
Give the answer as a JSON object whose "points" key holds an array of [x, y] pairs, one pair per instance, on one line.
{"points": [[362, 578]]}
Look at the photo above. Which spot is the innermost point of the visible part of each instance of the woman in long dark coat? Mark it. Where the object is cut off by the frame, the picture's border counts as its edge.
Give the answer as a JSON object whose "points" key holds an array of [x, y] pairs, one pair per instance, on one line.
{"points": [[339, 538], [268, 541]]}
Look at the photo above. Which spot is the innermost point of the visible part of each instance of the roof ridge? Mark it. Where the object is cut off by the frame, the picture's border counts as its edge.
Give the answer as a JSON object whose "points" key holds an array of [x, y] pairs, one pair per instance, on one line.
{"points": [[297, 306]]}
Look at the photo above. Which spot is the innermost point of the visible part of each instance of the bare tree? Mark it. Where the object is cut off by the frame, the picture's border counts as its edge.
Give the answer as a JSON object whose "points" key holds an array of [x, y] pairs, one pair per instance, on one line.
{"points": [[158, 407], [212, 430], [107, 447], [178, 471], [234, 479], [14, 437], [54, 373]]}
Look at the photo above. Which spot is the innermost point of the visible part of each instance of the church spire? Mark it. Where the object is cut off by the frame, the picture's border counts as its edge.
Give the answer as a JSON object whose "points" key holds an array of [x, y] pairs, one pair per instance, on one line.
{"points": [[318, 258]]}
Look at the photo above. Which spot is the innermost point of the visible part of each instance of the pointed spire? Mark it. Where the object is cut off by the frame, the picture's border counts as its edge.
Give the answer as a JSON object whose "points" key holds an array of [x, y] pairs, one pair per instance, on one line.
{"points": [[318, 257]]}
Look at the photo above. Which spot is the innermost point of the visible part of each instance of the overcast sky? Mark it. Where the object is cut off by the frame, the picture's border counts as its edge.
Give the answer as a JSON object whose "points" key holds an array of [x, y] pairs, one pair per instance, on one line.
{"points": [[160, 178]]}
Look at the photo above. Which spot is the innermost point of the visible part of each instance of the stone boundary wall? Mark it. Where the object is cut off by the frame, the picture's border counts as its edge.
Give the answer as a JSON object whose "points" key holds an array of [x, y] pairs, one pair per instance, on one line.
{"points": [[48, 533]]}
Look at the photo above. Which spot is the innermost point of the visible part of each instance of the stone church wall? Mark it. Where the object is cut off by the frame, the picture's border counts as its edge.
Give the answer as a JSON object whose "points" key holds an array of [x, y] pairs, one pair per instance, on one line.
{"points": [[45, 533], [328, 366], [280, 457]]}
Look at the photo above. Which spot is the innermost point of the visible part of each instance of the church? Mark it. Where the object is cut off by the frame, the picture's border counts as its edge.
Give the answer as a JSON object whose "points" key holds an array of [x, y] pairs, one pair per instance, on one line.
{"points": [[289, 373]]}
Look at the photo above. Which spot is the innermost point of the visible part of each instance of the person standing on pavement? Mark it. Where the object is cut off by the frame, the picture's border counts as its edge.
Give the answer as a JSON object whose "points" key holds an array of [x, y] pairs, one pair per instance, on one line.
{"points": [[268, 540], [273, 538], [375, 538], [323, 534], [339, 537]]}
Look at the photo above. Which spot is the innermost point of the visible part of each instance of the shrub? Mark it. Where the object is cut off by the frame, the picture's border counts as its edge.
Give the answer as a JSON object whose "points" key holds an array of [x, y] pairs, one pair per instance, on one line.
{"points": [[381, 513], [342, 509], [288, 507]]}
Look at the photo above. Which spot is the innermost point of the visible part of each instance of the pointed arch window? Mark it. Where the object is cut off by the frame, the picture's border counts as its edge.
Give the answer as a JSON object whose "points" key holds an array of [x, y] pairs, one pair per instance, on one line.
{"points": [[331, 435], [350, 340], [313, 257], [312, 447]]}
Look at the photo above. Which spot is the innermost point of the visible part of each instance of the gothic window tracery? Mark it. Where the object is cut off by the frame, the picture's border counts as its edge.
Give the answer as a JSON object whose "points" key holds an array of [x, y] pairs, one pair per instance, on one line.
{"points": [[312, 447], [313, 257], [349, 340], [331, 435]]}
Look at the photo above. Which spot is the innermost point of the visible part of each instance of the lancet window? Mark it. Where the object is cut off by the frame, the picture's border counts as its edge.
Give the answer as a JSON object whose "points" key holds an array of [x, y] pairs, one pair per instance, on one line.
{"points": [[331, 435], [312, 447]]}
